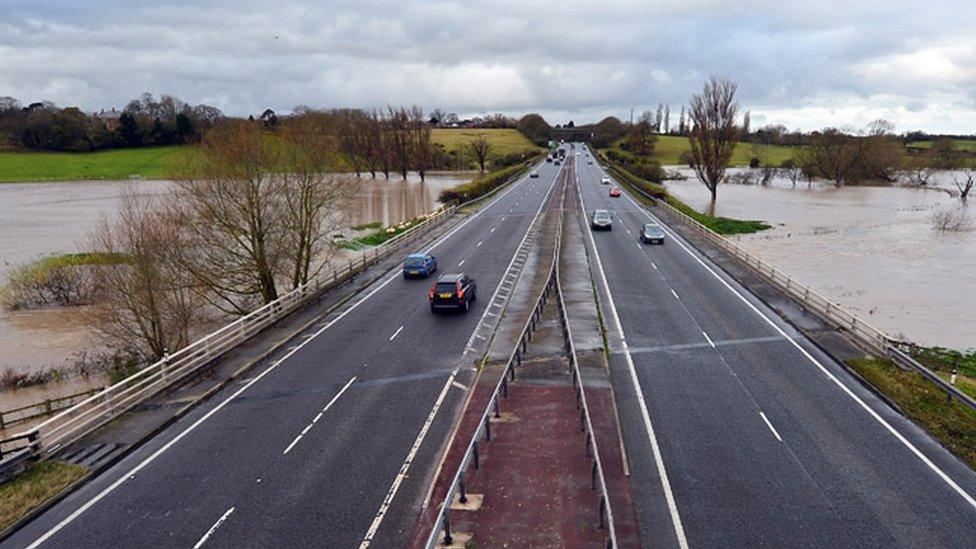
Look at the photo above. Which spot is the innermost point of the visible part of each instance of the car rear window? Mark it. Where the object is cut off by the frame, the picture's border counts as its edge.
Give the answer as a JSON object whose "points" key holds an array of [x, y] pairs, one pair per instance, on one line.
{"points": [[414, 262], [445, 287]]}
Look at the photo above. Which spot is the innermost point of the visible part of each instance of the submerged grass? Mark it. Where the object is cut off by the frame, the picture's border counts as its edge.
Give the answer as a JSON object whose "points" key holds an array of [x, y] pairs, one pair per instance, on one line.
{"points": [[721, 225]]}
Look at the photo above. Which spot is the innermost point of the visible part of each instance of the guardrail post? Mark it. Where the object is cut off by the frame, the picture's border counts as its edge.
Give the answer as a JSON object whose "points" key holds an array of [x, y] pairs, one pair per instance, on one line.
{"points": [[487, 429], [603, 508], [498, 413], [474, 451], [593, 476], [448, 539], [463, 498]]}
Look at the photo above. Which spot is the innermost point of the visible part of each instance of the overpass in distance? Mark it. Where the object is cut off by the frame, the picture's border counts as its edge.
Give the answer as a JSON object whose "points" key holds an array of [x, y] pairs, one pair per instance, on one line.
{"points": [[738, 430]]}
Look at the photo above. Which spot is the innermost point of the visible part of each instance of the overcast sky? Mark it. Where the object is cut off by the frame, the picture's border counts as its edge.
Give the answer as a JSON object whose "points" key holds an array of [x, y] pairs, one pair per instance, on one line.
{"points": [[806, 64]]}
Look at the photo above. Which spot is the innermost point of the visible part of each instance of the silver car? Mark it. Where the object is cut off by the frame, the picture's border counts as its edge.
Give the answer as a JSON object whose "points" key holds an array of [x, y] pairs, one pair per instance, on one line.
{"points": [[652, 233], [601, 220]]}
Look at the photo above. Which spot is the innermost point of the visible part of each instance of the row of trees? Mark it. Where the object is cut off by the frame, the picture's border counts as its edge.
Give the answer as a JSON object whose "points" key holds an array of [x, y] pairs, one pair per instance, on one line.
{"points": [[251, 218], [398, 140], [144, 121]]}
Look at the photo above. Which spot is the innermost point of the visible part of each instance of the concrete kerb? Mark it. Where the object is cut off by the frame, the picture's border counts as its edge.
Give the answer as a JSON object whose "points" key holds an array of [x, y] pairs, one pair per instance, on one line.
{"points": [[138, 443]]}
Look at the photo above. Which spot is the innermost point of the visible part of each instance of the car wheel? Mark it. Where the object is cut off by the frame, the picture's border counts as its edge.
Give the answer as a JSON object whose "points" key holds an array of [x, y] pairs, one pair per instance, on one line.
{"points": [[432, 308]]}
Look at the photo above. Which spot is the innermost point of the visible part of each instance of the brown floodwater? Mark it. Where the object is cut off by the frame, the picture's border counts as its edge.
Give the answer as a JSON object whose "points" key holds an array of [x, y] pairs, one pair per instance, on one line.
{"points": [[873, 249], [39, 219]]}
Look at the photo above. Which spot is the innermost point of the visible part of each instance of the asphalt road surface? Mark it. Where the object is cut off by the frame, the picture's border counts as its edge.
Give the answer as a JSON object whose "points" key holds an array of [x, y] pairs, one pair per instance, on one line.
{"points": [[329, 447], [741, 433]]}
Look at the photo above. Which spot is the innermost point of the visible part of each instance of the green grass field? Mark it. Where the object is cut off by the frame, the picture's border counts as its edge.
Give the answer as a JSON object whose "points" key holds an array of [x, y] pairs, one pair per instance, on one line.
{"points": [[149, 163], [961, 144], [157, 162], [669, 148], [503, 141]]}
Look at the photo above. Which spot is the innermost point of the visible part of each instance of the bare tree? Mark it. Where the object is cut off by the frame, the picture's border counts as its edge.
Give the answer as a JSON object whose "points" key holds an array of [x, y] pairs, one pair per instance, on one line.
{"points": [[145, 304], [713, 135], [945, 154], [920, 172], [965, 179], [398, 134], [640, 139], [314, 202], [835, 155], [667, 119], [232, 212], [791, 170], [421, 145], [480, 148]]}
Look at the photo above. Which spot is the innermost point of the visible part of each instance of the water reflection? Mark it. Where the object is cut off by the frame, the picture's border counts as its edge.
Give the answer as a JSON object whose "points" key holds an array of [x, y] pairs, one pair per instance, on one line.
{"points": [[873, 249], [38, 219]]}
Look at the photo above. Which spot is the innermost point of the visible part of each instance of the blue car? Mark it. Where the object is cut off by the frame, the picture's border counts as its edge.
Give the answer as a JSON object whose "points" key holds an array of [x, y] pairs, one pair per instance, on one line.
{"points": [[419, 265]]}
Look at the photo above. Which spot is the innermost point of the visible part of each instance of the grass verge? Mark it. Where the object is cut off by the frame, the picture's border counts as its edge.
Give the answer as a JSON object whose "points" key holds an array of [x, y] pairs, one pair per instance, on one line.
{"points": [[952, 423], [721, 225], [39, 483]]}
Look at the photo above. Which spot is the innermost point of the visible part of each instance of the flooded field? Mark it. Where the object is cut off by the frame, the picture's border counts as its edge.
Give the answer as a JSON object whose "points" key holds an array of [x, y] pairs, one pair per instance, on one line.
{"points": [[873, 249], [38, 219]]}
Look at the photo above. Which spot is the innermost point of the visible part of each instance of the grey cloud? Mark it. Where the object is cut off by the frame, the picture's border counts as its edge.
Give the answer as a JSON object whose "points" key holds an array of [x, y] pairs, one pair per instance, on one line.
{"points": [[797, 63]]}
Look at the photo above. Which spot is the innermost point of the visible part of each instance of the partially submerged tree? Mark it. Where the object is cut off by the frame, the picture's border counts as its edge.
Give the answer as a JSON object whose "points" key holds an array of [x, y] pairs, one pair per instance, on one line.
{"points": [[834, 155], [233, 215], [146, 305], [713, 134]]}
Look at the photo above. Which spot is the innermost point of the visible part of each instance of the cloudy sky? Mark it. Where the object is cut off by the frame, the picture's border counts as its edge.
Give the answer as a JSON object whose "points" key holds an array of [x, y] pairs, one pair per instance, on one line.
{"points": [[805, 64]]}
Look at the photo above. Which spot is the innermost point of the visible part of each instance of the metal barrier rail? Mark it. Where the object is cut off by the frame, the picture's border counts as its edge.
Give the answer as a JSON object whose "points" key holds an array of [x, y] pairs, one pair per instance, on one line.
{"points": [[442, 523], [862, 331], [586, 423], [97, 410]]}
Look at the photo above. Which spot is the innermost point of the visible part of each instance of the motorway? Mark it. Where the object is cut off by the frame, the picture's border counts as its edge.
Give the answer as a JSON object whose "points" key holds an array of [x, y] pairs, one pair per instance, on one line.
{"points": [[739, 431], [331, 445]]}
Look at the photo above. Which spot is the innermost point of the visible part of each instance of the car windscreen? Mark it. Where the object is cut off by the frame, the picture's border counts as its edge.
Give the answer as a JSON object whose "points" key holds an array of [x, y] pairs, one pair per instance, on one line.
{"points": [[445, 288], [414, 262], [601, 216], [652, 229]]}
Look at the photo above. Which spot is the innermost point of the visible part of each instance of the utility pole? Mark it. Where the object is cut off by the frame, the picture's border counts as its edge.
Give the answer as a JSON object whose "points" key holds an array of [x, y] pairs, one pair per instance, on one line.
{"points": [[632, 116]]}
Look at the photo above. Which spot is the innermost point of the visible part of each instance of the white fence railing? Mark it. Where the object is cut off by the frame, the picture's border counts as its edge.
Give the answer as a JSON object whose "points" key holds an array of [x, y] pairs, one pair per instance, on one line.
{"points": [[832, 312], [97, 410]]}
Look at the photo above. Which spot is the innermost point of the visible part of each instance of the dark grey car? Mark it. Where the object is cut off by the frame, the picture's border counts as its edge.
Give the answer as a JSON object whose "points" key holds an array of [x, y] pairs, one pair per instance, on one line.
{"points": [[652, 233], [453, 291]]}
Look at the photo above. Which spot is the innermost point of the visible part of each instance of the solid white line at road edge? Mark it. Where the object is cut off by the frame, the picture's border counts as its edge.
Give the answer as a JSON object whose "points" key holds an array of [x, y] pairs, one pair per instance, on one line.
{"points": [[319, 415], [213, 528], [152, 457], [662, 471], [877, 417], [396, 333], [405, 468]]}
